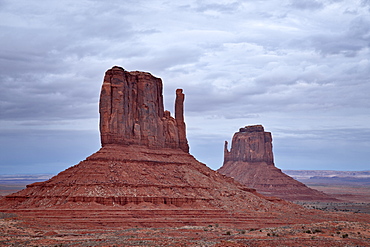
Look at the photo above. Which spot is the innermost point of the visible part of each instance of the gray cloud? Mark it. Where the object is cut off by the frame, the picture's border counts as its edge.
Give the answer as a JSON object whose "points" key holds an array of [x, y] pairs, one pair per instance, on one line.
{"points": [[288, 65], [229, 7], [348, 43], [307, 4], [365, 3]]}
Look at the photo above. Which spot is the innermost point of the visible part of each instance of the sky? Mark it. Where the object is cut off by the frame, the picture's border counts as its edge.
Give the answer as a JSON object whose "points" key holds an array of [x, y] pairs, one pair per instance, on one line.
{"points": [[301, 68]]}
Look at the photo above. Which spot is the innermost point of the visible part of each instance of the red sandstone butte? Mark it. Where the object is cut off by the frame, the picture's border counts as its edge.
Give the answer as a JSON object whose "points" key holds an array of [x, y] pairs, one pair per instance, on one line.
{"points": [[143, 181], [251, 162], [144, 175]]}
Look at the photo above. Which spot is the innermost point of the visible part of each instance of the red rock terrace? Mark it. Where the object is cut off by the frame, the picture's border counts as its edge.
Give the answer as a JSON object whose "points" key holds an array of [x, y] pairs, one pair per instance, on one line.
{"points": [[144, 175], [251, 162]]}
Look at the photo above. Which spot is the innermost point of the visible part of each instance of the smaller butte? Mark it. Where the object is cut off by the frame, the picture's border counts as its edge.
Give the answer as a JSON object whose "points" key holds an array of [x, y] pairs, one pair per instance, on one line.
{"points": [[250, 161]]}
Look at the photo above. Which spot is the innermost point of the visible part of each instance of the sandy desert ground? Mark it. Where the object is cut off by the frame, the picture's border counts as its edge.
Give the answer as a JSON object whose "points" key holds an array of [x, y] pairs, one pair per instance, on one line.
{"points": [[16, 230], [352, 188]]}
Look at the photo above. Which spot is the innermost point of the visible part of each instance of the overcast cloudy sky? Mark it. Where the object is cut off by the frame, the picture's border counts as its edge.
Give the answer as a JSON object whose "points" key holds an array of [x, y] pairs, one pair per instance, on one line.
{"points": [[301, 68]]}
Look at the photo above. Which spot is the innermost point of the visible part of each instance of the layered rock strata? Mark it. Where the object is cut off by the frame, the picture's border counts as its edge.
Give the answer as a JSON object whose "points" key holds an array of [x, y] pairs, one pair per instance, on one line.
{"points": [[144, 160], [251, 162], [119, 175]]}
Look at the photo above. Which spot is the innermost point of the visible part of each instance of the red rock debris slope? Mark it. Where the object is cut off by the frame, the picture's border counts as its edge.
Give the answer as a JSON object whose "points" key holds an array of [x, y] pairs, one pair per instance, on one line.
{"points": [[251, 162], [144, 176]]}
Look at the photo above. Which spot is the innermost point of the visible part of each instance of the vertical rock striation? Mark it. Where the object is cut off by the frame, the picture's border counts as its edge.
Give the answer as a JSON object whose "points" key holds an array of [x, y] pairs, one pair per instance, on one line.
{"points": [[250, 144], [251, 162], [132, 112]]}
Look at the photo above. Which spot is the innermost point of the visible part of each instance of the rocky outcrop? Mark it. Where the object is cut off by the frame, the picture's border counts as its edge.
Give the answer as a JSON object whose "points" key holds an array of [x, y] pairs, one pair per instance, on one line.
{"points": [[144, 160], [251, 162], [250, 144], [144, 176], [134, 174], [132, 112]]}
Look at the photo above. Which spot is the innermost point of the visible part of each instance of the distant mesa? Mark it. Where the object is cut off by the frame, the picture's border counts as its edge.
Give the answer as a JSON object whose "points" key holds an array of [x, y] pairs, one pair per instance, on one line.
{"points": [[251, 162]]}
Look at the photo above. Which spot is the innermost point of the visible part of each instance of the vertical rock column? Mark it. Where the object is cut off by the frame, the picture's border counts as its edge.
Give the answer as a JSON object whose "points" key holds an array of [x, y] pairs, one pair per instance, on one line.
{"points": [[132, 112], [131, 108]]}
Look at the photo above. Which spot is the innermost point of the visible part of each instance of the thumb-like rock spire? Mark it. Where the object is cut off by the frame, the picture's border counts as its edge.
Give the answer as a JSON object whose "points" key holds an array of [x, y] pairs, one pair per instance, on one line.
{"points": [[179, 116]]}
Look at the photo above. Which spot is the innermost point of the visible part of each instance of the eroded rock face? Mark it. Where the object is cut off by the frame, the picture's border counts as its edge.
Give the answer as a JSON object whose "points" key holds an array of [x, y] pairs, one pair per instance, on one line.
{"points": [[251, 162], [250, 144], [144, 159], [132, 112], [144, 165]]}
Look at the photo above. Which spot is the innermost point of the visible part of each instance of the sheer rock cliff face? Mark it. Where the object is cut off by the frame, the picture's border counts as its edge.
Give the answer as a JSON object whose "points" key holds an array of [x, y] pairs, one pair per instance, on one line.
{"points": [[132, 112], [250, 144], [251, 162]]}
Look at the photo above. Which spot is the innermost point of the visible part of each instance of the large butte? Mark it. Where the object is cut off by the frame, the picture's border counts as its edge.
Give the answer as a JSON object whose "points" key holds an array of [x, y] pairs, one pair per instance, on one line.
{"points": [[144, 175]]}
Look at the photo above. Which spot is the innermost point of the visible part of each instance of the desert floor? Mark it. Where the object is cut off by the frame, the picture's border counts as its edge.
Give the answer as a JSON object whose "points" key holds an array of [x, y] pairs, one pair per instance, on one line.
{"points": [[18, 231]]}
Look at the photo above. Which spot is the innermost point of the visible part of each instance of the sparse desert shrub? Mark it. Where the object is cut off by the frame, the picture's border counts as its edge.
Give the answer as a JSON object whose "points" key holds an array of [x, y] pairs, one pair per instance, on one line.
{"points": [[308, 231], [7, 215], [228, 233], [345, 235]]}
